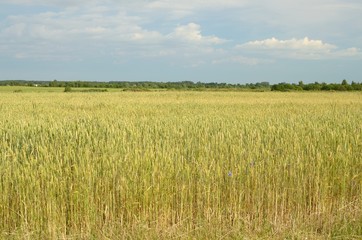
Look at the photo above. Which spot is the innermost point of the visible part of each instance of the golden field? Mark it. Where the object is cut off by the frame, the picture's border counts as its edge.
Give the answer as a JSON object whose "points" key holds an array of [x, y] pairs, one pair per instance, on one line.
{"points": [[180, 165]]}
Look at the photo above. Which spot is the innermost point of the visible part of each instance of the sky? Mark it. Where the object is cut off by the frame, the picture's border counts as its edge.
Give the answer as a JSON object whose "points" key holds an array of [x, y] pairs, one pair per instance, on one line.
{"points": [[232, 41]]}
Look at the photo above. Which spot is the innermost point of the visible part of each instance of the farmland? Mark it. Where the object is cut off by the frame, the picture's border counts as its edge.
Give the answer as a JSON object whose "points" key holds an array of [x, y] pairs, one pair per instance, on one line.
{"points": [[161, 165]]}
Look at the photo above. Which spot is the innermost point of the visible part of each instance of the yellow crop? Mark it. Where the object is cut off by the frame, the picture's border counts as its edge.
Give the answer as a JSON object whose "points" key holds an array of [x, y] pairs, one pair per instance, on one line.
{"points": [[203, 165]]}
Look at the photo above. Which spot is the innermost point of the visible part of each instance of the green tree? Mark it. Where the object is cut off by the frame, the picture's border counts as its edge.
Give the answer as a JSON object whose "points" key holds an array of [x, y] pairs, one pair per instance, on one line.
{"points": [[67, 89]]}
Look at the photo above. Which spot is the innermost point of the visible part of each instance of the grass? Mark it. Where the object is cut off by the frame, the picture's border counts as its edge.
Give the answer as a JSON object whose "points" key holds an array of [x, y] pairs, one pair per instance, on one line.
{"points": [[25, 89], [161, 165]]}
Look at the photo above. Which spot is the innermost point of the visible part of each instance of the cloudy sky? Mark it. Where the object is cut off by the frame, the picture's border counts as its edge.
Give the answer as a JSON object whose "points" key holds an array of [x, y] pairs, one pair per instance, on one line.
{"points": [[236, 41]]}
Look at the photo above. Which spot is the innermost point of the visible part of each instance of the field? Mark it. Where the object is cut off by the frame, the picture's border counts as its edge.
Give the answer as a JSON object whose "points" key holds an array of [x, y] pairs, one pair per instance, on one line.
{"points": [[180, 165]]}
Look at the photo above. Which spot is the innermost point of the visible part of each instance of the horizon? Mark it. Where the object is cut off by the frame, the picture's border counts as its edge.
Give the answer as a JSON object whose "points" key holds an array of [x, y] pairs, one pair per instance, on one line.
{"points": [[183, 81]]}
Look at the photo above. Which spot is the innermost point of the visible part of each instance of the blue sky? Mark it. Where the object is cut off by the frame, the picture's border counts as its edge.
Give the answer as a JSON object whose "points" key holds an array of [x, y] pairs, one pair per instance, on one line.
{"points": [[235, 41]]}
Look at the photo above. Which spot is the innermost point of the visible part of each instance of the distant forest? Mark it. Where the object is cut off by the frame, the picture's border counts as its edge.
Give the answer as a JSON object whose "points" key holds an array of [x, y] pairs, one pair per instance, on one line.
{"points": [[189, 85]]}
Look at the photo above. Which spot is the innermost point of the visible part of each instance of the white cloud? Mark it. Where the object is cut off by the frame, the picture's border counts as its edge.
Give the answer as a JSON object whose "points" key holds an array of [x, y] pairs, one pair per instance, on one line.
{"points": [[175, 9], [75, 33], [295, 44], [70, 25], [139, 29], [151, 4], [70, 33], [297, 48], [192, 34]]}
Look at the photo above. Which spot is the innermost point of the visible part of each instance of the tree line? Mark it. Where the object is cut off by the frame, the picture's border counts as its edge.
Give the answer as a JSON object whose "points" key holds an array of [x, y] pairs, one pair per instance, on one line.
{"points": [[343, 86], [189, 85]]}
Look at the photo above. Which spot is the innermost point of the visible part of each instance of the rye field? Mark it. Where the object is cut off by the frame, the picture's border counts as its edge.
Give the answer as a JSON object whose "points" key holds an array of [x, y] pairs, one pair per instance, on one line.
{"points": [[180, 165]]}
